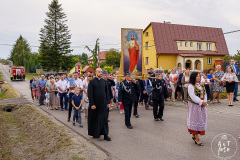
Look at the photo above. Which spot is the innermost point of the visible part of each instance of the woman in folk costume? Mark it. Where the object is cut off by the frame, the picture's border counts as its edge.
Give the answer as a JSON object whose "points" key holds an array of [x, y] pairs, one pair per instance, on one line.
{"points": [[197, 112]]}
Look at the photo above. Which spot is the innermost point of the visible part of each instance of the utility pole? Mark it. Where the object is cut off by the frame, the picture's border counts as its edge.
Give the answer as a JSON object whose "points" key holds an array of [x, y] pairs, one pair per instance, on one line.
{"points": [[98, 65]]}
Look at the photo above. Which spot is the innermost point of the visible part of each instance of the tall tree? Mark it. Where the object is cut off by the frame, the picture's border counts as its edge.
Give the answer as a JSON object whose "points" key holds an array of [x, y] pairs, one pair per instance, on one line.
{"points": [[55, 40], [83, 58], [21, 53], [94, 53], [113, 58]]}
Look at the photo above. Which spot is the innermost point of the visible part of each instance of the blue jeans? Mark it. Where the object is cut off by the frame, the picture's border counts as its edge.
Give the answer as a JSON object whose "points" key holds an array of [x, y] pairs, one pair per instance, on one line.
{"points": [[78, 114], [236, 90], [61, 100]]}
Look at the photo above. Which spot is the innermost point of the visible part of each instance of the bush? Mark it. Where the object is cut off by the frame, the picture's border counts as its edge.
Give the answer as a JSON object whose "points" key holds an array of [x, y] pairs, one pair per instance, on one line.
{"points": [[109, 69]]}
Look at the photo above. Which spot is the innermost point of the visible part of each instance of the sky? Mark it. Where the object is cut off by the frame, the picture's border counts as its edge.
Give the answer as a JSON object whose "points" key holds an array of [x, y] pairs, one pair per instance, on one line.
{"points": [[103, 19]]}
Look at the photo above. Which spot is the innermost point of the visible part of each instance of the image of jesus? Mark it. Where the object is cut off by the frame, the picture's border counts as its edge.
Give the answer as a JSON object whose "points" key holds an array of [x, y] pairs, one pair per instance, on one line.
{"points": [[133, 50]]}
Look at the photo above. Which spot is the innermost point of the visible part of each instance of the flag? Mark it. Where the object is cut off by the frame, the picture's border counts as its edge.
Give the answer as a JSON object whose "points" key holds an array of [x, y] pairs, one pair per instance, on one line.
{"points": [[72, 70]]}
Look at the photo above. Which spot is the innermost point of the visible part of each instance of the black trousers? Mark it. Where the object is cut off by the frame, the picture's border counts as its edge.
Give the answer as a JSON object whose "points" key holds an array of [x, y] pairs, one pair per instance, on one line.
{"points": [[144, 97], [128, 111], [71, 106], [42, 96], [158, 113], [135, 112]]}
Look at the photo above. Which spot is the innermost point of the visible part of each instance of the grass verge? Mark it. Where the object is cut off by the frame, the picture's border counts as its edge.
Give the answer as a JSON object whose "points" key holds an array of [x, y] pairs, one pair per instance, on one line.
{"points": [[25, 133], [29, 76], [8, 91]]}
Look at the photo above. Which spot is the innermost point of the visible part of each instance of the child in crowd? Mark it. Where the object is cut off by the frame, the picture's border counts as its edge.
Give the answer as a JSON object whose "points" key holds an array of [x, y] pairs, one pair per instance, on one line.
{"points": [[71, 82], [206, 82], [115, 92], [77, 104], [47, 98]]}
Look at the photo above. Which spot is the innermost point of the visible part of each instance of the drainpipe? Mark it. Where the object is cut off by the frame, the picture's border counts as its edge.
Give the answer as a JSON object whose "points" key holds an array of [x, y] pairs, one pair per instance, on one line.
{"points": [[157, 60]]}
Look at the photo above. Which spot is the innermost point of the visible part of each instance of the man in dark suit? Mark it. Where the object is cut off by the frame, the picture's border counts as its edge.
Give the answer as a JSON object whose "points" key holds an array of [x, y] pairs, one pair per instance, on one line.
{"points": [[126, 96], [236, 71], [159, 94], [136, 98], [110, 83]]}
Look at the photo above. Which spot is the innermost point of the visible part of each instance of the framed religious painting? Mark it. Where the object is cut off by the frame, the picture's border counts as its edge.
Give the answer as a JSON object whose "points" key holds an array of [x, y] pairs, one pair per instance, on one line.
{"points": [[132, 54], [132, 51]]}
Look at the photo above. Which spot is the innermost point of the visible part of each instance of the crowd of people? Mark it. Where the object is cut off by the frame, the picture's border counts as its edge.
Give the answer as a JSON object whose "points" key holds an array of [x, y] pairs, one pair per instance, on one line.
{"points": [[95, 95]]}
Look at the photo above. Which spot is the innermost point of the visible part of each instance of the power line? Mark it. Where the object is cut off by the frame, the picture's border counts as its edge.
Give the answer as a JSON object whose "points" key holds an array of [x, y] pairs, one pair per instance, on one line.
{"points": [[83, 46]]}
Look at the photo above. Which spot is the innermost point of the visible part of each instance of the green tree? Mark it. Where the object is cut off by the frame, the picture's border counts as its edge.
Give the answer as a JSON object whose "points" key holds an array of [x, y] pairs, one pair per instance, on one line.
{"points": [[94, 53], [55, 40], [35, 64], [21, 53], [103, 64], [113, 58], [83, 58]]}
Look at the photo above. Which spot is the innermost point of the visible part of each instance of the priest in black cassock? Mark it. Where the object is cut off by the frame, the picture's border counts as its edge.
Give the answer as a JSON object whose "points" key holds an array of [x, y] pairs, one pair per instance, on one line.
{"points": [[98, 103]]}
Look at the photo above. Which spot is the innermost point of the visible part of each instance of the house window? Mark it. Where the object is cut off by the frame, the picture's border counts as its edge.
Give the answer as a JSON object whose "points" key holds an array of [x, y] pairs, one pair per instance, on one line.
{"points": [[209, 60], [147, 60], [191, 44], [147, 45], [208, 46], [185, 44], [146, 34], [180, 43], [199, 46]]}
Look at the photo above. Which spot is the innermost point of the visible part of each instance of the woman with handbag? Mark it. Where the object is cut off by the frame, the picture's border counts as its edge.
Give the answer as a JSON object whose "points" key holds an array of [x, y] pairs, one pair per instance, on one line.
{"points": [[85, 102], [53, 100], [230, 78], [218, 84]]}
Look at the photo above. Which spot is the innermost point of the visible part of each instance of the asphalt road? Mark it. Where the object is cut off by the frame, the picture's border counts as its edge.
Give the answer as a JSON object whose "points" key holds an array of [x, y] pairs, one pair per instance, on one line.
{"points": [[167, 140]]}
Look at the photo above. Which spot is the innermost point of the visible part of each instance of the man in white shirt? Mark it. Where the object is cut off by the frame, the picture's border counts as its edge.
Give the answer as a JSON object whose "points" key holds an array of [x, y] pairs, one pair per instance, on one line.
{"points": [[78, 83], [62, 87]]}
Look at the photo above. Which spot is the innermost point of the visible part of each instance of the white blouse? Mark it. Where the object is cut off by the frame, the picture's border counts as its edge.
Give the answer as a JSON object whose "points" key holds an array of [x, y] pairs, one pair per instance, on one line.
{"points": [[195, 98], [230, 77]]}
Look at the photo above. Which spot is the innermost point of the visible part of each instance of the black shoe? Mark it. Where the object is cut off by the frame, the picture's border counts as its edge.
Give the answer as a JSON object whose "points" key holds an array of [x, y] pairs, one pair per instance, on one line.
{"points": [[68, 120], [157, 119], [108, 120], [107, 138], [236, 99], [161, 119], [137, 116], [130, 127]]}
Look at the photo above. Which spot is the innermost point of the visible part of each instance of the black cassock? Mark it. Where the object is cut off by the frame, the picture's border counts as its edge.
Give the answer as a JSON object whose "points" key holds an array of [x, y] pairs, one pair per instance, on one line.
{"points": [[97, 118]]}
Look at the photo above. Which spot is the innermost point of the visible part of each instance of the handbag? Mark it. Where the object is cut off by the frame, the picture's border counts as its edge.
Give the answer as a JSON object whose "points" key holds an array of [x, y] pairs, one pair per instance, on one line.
{"points": [[86, 100]]}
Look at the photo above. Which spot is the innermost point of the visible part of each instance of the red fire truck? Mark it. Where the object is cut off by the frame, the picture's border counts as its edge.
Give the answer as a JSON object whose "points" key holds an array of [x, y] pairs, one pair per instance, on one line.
{"points": [[17, 73]]}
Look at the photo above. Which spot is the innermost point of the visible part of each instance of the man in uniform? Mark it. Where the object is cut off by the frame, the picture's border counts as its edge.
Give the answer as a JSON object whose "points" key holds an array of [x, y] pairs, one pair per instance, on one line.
{"points": [[159, 93], [126, 96]]}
